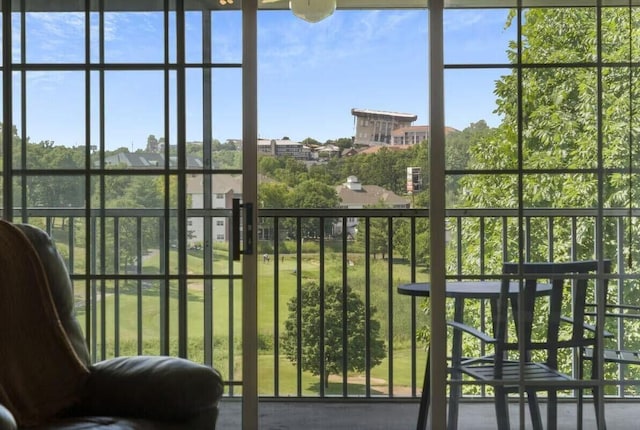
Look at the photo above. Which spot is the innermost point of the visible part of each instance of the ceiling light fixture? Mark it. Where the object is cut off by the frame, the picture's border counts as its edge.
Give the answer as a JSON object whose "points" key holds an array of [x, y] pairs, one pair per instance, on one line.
{"points": [[312, 10]]}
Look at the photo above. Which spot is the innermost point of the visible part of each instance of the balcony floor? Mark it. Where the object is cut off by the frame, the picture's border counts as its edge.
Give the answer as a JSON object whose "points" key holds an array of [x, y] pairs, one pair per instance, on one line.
{"points": [[310, 415]]}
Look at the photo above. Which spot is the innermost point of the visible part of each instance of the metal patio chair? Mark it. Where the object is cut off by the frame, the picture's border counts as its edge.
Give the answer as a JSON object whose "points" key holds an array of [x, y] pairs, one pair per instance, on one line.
{"points": [[538, 342]]}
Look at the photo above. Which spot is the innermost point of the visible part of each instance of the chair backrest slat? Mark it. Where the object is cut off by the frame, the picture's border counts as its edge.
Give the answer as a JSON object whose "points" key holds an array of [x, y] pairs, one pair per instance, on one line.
{"points": [[580, 275]]}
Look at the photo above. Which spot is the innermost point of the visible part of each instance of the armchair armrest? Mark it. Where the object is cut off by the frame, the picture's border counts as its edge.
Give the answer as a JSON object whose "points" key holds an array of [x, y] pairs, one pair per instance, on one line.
{"points": [[588, 327], [472, 331], [7, 422], [164, 388]]}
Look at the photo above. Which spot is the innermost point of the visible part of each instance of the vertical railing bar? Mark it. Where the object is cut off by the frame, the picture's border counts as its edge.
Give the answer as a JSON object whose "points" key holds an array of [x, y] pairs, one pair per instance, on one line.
{"points": [[321, 342], [414, 342], [72, 253], [276, 306], [505, 238], [550, 231], [345, 324], [482, 249], [574, 238], [92, 296], [390, 294], [528, 239], [620, 329], [230, 309], [459, 246], [367, 334], [574, 256], [139, 283], [299, 304], [116, 287], [103, 293], [367, 289], [483, 303]]}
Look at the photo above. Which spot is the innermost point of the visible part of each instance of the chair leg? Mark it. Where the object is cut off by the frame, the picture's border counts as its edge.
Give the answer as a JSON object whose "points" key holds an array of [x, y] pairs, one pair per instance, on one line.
{"points": [[595, 375], [596, 405], [502, 409], [534, 409], [425, 399], [552, 410], [579, 413]]}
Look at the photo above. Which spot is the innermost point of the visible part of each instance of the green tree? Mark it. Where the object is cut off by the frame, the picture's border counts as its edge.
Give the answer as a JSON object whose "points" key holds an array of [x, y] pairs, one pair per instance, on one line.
{"points": [[312, 194], [333, 335], [273, 195], [558, 113], [561, 115]]}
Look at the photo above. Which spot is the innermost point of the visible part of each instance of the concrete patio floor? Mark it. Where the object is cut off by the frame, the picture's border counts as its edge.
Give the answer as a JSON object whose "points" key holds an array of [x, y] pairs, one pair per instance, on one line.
{"points": [[312, 415]]}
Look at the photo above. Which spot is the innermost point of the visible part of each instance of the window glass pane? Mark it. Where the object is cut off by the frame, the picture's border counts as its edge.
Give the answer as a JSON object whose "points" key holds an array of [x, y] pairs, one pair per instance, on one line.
{"points": [[134, 108], [483, 191], [194, 125], [16, 38], [477, 36], [619, 107], [193, 37], [134, 192], [559, 118], [56, 113], [55, 37], [19, 126], [94, 37], [472, 114], [226, 37], [227, 108], [560, 190], [54, 191], [558, 35], [134, 37]]}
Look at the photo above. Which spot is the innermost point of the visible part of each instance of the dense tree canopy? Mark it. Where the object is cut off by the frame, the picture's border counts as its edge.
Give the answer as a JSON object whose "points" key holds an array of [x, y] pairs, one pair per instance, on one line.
{"points": [[558, 112]]}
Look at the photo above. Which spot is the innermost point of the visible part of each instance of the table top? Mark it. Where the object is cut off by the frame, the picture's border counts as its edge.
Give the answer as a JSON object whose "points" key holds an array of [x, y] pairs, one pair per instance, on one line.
{"points": [[468, 289]]}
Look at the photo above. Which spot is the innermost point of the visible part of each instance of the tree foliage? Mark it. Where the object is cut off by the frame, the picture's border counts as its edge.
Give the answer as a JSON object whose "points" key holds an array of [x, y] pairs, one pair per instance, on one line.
{"points": [[338, 301], [552, 119], [559, 119]]}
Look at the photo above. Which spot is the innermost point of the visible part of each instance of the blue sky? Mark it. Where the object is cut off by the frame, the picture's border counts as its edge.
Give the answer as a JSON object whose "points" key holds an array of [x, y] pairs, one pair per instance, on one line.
{"points": [[310, 75]]}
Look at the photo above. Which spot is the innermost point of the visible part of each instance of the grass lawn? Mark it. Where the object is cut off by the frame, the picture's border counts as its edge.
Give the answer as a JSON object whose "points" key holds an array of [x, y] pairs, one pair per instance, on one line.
{"points": [[273, 289]]}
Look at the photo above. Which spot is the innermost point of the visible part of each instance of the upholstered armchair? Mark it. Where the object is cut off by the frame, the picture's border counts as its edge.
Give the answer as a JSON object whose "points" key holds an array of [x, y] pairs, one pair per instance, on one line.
{"points": [[47, 380]]}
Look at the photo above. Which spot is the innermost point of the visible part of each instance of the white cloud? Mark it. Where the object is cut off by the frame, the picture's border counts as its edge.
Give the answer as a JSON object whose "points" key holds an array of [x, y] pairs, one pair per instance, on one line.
{"points": [[346, 34]]}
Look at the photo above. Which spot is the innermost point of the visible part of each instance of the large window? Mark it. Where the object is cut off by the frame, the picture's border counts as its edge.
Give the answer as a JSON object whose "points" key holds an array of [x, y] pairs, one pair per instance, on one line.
{"points": [[118, 141]]}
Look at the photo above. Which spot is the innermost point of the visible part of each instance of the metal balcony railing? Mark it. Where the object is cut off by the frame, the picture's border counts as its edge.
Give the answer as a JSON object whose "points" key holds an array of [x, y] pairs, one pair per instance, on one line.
{"points": [[129, 288]]}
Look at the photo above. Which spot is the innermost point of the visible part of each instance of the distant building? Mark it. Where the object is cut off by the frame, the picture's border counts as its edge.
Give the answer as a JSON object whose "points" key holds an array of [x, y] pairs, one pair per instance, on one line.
{"points": [[284, 148], [375, 127], [410, 135], [224, 188], [414, 179], [414, 134], [375, 149], [348, 152], [354, 195]]}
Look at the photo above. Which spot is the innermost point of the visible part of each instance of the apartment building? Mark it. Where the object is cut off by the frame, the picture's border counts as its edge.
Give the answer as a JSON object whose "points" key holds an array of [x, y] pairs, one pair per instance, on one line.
{"points": [[284, 148], [354, 195], [374, 127]]}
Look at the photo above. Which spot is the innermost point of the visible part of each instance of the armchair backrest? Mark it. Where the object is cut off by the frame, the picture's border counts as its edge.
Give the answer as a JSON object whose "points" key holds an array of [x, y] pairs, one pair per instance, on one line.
{"points": [[60, 286]]}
